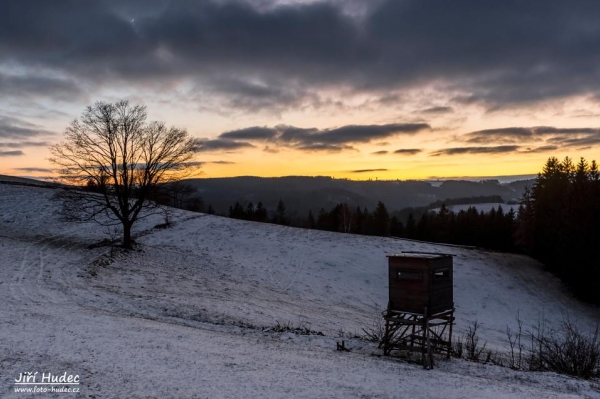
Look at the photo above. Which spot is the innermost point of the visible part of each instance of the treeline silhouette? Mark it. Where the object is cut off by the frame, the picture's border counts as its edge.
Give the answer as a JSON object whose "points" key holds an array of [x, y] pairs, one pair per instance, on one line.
{"points": [[560, 223], [493, 230]]}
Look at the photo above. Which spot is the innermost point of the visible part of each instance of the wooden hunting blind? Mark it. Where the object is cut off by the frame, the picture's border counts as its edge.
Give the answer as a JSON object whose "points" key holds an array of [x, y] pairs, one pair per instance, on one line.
{"points": [[420, 283], [420, 310]]}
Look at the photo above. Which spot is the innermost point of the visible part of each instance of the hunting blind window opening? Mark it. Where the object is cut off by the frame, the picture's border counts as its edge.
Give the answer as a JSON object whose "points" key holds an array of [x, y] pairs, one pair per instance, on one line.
{"points": [[441, 274], [407, 275]]}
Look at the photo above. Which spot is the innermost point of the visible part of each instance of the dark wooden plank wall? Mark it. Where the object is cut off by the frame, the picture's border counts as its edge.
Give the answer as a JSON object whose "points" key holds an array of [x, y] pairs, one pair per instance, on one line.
{"points": [[414, 295]]}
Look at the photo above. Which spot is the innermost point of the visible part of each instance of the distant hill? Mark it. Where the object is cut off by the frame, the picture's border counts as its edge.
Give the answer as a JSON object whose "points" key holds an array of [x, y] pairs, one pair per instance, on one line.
{"points": [[301, 193], [25, 181]]}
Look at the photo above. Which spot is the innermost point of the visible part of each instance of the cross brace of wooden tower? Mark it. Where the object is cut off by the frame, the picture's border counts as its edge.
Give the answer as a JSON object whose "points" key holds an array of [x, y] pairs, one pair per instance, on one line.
{"points": [[421, 333]]}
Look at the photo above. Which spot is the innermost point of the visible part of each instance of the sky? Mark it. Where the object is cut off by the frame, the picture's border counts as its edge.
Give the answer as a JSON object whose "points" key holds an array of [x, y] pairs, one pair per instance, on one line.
{"points": [[378, 89]]}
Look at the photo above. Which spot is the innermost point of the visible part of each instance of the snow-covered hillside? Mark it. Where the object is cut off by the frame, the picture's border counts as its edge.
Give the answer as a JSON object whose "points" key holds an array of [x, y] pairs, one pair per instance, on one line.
{"points": [[190, 313]]}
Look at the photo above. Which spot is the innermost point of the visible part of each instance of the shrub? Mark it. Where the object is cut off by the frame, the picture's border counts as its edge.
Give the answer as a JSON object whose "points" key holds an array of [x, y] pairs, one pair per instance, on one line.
{"points": [[567, 351], [469, 347]]}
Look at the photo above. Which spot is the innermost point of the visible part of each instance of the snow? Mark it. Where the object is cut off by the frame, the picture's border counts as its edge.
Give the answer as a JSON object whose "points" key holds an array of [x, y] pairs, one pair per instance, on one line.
{"points": [[190, 313]]}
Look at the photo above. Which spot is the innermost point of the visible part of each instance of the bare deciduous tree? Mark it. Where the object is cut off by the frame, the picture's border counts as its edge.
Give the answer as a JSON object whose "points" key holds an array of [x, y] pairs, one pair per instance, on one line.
{"points": [[114, 160]]}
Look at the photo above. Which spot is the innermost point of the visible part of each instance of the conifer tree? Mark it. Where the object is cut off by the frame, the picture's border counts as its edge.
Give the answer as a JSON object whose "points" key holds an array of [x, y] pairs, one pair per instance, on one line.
{"points": [[260, 213], [381, 220], [280, 214]]}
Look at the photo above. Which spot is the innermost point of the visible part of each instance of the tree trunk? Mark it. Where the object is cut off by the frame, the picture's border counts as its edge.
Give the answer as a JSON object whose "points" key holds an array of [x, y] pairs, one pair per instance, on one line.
{"points": [[127, 235]]}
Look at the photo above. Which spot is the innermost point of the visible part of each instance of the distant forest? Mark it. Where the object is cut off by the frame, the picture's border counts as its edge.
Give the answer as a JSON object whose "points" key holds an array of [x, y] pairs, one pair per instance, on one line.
{"points": [[493, 230]]}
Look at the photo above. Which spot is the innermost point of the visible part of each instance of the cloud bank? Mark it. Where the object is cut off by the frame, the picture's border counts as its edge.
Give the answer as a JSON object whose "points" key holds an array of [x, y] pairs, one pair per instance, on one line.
{"points": [[313, 139], [269, 55]]}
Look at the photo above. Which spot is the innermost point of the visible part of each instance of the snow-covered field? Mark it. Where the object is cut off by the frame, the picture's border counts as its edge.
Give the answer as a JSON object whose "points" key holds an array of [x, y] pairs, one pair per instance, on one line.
{"points": [[190, 313]]}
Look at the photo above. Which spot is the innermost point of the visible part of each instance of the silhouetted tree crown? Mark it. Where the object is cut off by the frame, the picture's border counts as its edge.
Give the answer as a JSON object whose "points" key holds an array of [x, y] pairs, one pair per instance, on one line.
{"points": [[122, 159]]}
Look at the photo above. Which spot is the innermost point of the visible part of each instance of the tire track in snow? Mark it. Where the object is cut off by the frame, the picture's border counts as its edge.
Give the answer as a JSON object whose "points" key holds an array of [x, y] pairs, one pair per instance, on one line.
{"points": [[31, 282]]}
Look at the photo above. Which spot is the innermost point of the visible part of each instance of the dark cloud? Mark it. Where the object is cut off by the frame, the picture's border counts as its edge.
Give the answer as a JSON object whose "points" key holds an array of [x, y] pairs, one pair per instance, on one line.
{"points": [[407, 151], [22, 144], [547, 130], [511, 52], [501, 149], [31, 85], [383, 152], [250, 133], [19, 134], [333, 140], [291, 134], [270, 150], [201, 163], [502, 135], [254, 65], [92, 41], [195, 163], [273, 95], [366, 133], [33, 169], [544, 148], [222, 162], [437, 110], [321, 147], [368, 170], [553, 137], [389, 99], [13, 128], [576, 142], [222, 145], [11, 153]]}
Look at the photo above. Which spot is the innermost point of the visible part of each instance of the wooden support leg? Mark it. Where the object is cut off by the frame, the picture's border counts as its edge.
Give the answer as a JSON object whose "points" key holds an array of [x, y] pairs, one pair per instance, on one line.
{"points": [[450, 334], [386, 339], [428, 349]]}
